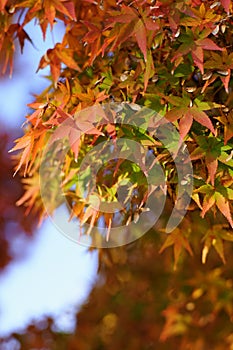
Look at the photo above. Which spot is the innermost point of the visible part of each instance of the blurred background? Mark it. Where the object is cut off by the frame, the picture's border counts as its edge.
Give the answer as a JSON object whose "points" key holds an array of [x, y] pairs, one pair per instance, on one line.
{"points": [[42, 273]]}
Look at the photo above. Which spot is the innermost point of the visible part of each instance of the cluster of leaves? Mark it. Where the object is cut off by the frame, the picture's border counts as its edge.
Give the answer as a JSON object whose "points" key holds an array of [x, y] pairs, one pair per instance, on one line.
{"points": [[174, 57]]}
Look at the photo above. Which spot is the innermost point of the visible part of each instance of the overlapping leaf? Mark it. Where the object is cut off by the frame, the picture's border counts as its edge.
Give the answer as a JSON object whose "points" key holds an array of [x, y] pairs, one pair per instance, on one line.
{"points": [[187, 111], [179, 243], [219, 196]]}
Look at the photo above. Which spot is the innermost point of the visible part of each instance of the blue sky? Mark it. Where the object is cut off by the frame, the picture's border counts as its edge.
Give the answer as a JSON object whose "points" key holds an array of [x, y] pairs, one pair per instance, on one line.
{"points": [[56, 274]]}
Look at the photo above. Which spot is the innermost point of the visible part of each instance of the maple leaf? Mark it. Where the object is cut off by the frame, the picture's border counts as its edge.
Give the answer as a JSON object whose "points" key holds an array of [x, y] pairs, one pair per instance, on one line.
{"points": [[213, 150], [47, 11], [218, 195], [26, 143], [179, 242], [29, 145], [36, 117], [136, 23], [215, 237], [214, 240], [187, 113], [54, 57], [65, 7], [196, 47], [73, 130], [201, 17]]}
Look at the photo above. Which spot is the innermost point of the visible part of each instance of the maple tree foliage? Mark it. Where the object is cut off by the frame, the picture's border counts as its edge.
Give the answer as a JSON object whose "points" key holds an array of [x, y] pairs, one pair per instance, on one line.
{"points": [[176, 58]]}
